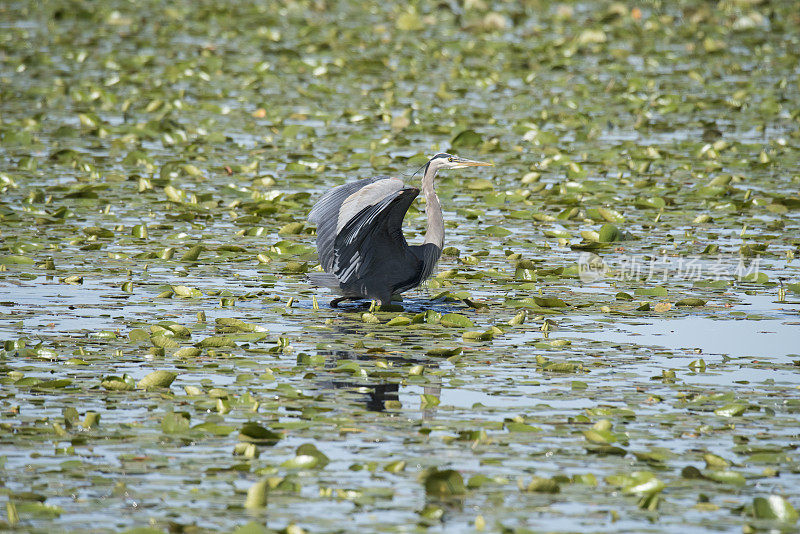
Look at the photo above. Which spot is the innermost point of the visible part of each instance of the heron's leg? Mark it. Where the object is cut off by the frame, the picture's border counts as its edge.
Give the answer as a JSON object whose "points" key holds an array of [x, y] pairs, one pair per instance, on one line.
{"points": [[385, 301], [335, 302]]}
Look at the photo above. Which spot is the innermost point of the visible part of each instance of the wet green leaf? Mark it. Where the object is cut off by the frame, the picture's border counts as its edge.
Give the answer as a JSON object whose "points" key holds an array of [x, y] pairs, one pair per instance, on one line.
{"points": [[521, 427], [174, 423], [774, 507], [496, 231], [480, 184], [187, 352], [550, 302], [587, 479], [115, 383], [759, 277], [193, 254], [309, 449], [396, 466], [159, 164], [429, 401], [257, 495], [400, 320], [38, 510], [456, 320], [731, 409], [231, 324], [255, 433], [609, 233], [11, 513], [301, 461], [443, 484], [370, 318], [292, 228], [443, 352], [542, 485], [637, 482], [186, 292], [715, 462], [657, 291], [164, 342], [252, 528], [478, 336], [518, 319], [560, 367], [466, 139], [691, 301], [213, 429], [603, 437], [139, 231], [158, 379], [16, 260], [725, 477], [409, 21], [216, 342]]}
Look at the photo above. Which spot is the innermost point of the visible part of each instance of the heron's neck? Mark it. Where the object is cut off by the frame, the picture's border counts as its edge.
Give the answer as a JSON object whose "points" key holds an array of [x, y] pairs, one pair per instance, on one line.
{"points": [[434, 233]]}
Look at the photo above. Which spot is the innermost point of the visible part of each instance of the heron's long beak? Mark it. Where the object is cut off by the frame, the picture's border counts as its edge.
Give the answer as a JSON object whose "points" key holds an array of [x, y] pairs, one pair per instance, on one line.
{"points": [[462, 162]]}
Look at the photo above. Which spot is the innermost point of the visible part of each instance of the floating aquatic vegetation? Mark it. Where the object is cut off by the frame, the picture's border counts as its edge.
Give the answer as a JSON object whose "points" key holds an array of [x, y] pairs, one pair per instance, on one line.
{"points": [[162, 352]]}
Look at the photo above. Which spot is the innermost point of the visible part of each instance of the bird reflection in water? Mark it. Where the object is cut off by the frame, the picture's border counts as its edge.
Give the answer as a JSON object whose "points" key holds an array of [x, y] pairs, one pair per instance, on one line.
{"points": [[375, 395]]}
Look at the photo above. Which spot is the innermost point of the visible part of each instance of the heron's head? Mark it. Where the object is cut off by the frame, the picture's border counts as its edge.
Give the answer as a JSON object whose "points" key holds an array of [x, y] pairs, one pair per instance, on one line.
{"points": [[449, 161]]}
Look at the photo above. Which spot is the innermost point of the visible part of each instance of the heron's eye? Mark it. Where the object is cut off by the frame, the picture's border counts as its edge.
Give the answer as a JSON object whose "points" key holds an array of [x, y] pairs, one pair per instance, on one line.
{"points": [[449, 159]]}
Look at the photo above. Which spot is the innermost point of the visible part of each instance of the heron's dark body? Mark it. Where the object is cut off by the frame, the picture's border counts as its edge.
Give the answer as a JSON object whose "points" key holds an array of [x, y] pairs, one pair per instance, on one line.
{"points": [[361, 244]]}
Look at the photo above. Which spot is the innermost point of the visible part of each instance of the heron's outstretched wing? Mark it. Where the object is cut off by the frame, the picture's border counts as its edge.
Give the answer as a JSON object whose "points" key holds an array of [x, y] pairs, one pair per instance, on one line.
{"points": [[326, 214], [374, 236]]}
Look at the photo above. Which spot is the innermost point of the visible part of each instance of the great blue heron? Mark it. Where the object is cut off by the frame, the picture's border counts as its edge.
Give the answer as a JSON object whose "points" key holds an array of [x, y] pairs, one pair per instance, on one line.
{"points": [[360, 238]]}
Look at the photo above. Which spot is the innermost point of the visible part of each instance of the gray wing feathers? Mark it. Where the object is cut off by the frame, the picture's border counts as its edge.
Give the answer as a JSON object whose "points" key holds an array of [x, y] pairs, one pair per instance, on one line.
{"points": [[360, 237], [325, 280], [331, 201], [375, 232], [325, 214], [369, 195]]}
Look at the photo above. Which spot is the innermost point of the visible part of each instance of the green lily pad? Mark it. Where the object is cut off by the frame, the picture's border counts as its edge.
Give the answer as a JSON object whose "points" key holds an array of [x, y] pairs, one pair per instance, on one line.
{"points": [[550, 302], [609, 233], [731, 410], [466, 138], [257, 495], [543, 485], [657, 291], [174, 423], [16, 260], [725, 477], [456, 320], [776, 508], [691, 301], [158, 379], [444, 483], [496, 231], [255, 433], [301, 461], [38, 509]]}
